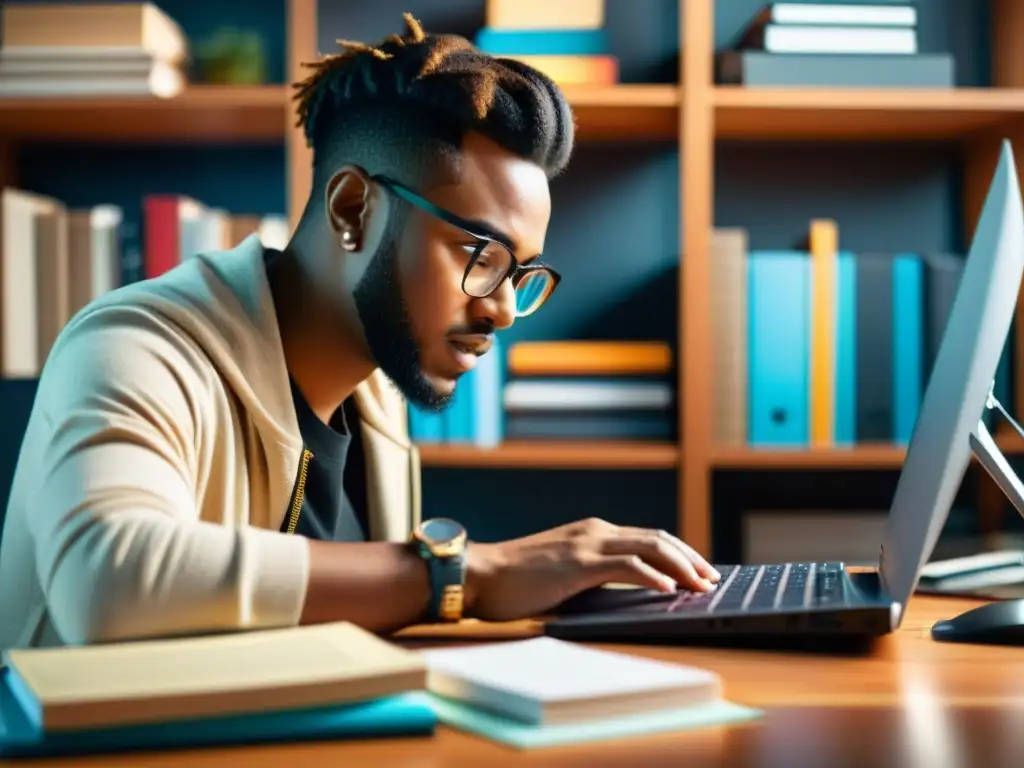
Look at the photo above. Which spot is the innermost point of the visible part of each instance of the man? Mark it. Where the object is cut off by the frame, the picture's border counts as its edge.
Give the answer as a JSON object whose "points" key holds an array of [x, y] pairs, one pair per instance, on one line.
{"points": [[224, 447]]}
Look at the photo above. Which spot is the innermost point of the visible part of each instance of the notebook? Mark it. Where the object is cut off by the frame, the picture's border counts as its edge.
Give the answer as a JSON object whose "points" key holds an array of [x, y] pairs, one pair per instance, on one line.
{"points": [[546, 681], [157, 681], [410, 714], [527, 736]]}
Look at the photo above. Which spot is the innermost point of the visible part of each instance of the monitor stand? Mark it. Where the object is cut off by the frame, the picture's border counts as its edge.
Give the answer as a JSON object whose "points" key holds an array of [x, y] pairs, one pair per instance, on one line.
{"points": [[1000, 622]]}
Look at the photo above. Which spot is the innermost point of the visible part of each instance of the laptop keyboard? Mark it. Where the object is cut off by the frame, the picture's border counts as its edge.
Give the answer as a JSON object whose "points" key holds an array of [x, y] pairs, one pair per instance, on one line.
{"points": [[785, 586]]}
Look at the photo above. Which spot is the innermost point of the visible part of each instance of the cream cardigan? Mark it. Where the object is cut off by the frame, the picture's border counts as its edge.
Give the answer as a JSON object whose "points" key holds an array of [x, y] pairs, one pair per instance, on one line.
{"points": [[161, 457]]}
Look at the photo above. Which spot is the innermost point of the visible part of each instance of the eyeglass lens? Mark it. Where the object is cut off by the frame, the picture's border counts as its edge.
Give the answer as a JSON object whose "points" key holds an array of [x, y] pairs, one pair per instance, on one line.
{"points": [[490, 268]]}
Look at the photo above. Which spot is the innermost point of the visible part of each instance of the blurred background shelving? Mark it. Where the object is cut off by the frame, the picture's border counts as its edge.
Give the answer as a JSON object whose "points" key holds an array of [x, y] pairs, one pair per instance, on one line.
{"points": [[666, 156]]}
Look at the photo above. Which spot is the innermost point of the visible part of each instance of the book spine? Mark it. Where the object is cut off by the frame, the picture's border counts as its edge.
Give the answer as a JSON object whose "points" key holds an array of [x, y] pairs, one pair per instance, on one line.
{"points": [[778, 317]]}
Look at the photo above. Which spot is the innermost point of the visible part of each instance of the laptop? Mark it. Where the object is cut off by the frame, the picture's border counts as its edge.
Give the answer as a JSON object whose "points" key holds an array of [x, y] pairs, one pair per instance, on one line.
{"points": [[825, 598]]}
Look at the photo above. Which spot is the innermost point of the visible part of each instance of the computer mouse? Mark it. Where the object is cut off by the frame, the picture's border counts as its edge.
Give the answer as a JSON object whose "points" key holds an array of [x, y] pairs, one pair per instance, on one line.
{"points": [[996, 623]]}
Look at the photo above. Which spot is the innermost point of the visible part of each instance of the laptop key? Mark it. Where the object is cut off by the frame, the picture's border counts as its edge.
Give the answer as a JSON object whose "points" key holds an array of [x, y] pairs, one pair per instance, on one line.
{"points": [[795, 593], [736, 590], [828, 586], [767, 588]]}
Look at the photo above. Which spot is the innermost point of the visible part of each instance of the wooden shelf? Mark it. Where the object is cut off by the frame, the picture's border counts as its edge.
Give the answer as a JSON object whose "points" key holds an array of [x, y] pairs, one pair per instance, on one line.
{"points": [[861, 114], [625, 111], [201, 114], [554, 455], [881, 456], [864, 456], [215, 114]]}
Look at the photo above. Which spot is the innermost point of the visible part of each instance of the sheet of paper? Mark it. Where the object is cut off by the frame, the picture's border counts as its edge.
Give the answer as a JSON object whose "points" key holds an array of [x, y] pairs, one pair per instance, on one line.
{"points": [[547, 669]]}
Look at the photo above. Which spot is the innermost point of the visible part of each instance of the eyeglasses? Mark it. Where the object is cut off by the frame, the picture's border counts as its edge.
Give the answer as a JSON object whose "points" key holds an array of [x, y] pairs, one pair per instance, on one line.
{"points": [[491, 261]]}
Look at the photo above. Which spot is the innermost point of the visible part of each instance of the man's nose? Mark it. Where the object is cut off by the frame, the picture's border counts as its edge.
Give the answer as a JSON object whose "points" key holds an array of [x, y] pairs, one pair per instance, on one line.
{"points": [[499, 309]]}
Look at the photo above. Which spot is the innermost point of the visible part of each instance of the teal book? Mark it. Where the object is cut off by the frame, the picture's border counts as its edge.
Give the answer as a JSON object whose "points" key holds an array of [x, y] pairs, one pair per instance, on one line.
{"points": [[907, 343], [459, 422], [778, 332], [846, 350], [541, 42], [488, 382], [425, 426], [410, 714], [528, 736]]}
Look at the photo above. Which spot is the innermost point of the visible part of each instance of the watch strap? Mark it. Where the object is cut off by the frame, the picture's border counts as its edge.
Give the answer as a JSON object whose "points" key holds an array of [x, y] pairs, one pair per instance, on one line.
{"points": [[447, 579]]}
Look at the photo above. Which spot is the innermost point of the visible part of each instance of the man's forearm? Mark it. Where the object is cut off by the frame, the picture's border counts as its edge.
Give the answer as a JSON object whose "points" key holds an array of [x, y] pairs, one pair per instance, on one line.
{"points": [[380, 586]]}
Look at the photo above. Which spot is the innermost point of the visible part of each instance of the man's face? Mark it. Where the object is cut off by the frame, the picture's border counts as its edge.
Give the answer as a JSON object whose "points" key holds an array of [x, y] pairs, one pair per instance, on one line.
{"points": [[422, 330]]}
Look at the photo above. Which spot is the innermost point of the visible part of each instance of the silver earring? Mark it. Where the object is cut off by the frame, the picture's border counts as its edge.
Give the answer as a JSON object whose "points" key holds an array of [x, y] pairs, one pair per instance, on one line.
{"points": [[348, 240]]}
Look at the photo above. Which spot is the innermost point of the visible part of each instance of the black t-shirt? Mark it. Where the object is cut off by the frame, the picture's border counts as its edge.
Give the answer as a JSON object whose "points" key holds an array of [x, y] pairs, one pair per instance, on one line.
{"points": [[334, 498], [334, 495]]}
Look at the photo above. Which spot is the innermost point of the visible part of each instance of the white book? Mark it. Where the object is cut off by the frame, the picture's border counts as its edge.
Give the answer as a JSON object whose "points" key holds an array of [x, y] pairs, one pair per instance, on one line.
{"points": [[160, 80], [106, 222], [547, 681], [854, 14], [854, 40], [587, 395]]}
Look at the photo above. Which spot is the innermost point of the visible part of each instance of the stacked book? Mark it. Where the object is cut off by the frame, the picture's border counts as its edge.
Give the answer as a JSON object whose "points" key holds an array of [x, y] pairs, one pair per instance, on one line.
{"points": [[546, 692], [590, 390], [81, 49], [565, 40], [324, 682], [54, 260], [817, 345], [834, 45], [335, 682]]}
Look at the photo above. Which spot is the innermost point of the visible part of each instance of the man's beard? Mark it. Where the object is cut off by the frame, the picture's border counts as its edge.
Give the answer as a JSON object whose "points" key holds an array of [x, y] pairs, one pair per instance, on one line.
{"points": [[386, 326]]}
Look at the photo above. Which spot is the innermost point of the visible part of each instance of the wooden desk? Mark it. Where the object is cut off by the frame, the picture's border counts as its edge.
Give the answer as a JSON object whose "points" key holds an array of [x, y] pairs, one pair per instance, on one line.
{"points": [[911, 702]]}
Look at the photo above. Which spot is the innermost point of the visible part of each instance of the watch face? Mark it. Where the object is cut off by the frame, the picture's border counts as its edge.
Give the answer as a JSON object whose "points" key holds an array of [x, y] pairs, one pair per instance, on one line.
{"points": [[441, 530]]}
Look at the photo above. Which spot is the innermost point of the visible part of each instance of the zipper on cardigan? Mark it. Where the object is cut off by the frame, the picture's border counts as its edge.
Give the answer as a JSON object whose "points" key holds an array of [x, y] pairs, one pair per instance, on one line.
{"points": [[300, 492]]}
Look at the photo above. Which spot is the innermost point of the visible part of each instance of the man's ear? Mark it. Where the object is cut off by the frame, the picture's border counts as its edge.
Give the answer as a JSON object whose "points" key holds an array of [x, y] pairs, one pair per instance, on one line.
{"points": [[347, 205]]}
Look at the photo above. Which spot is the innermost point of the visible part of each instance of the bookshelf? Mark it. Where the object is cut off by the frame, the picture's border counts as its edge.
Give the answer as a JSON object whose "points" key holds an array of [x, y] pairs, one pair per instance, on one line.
{"points": [[203, 114], [525, 454], [861, 115], [692, 114], [696, 113], [881, 456]]}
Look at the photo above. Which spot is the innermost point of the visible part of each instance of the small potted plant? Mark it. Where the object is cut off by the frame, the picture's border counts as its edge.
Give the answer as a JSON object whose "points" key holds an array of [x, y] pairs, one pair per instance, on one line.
{"points": [[233, 57]]}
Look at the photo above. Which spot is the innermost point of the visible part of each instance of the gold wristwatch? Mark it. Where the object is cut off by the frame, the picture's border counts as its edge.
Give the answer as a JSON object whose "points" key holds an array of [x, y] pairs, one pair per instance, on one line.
{"points": [[442, 544]]}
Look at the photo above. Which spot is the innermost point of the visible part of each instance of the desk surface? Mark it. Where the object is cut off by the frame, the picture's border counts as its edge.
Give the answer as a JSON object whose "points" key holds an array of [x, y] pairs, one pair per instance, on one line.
{"points": [[910, 702]]}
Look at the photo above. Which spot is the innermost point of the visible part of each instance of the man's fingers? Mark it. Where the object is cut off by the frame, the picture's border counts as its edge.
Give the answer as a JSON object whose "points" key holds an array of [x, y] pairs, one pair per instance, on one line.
{"points": [[629, 569], [661, 555], [703, 567]]}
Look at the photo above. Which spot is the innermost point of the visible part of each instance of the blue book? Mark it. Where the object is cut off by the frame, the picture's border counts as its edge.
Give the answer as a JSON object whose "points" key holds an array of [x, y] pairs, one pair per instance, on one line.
{"points": [[458, 417], [541, 42], [489, 384], [846, 350], [778, 286], [907, 344], [425, 426], [410, 714]]}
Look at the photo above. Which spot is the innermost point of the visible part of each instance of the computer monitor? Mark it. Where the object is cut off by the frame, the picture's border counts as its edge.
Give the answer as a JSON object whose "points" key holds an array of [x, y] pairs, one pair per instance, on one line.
{"points": [[949, 425]]}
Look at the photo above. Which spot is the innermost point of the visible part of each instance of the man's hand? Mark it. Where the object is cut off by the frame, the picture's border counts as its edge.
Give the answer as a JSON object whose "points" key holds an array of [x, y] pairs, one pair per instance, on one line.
{"points": [[528, 576]]}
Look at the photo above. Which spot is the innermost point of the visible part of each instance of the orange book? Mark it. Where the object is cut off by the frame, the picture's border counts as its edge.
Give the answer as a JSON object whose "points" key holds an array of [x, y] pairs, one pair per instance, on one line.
{"points": [[590, 358], [240, 227], [574, 70], [545, 14], [823, 245]]}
